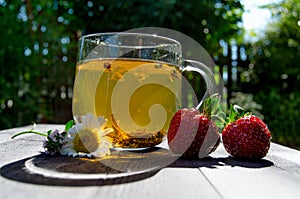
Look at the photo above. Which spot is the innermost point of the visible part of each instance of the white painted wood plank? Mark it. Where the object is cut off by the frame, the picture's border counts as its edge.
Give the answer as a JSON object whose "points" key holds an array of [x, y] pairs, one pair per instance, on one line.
{"points": [[276, 176], [24, 146], [268, 178], [170, 182]]}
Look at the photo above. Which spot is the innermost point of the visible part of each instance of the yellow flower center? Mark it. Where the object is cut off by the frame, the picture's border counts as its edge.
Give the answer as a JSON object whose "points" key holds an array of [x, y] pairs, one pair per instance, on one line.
{"points": [[86, 140]]}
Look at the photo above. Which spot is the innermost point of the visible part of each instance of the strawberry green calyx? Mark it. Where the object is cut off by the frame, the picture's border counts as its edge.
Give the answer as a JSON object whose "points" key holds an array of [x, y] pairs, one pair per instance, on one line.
{"points": [[236, 112], [213, 110]]}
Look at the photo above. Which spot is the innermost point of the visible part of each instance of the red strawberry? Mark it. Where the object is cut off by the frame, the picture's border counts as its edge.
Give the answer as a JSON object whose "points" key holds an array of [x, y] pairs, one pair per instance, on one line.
{"points": [[192, 134], [246, 136]]}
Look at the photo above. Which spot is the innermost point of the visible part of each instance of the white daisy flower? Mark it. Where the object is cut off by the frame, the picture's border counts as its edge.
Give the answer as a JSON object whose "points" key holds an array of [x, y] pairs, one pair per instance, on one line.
{"points": [[88, 138]]}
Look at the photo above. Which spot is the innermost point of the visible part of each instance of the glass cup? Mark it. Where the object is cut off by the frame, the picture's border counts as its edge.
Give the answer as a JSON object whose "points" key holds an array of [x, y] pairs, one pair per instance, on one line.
{"points": [[135, 81]]}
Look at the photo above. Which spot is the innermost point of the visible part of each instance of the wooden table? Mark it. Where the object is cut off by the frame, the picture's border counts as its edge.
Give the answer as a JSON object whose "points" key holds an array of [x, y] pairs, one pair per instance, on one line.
{"points": [[218, 176]]}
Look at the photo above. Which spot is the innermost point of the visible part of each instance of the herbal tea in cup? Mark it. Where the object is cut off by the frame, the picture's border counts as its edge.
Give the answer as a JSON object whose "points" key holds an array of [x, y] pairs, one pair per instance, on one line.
{"points": [[133, 80]]}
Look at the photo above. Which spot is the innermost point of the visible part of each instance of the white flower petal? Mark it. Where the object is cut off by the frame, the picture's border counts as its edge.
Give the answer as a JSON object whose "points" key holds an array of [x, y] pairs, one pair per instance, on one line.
{"points": [[90, 121], [101, 152], [69, 140], [75, 129], [82, 154], [67, 151], [106, 131], [101, 121], [105, 144], [89, 155], [97, 125]]}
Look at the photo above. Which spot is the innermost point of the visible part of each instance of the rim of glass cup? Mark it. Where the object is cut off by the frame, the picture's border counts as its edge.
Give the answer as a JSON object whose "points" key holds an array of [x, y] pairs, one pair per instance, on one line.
{"points": [[173, 42]]}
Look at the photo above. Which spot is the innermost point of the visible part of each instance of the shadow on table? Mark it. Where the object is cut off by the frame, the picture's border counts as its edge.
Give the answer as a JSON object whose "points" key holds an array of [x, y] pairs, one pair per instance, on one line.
{"points": [[18, 171], [213, 162], [122, 166], [118, 168]]}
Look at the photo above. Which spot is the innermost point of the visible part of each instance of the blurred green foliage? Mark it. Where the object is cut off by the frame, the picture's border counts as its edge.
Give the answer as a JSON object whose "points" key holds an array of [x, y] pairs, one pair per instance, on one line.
{"points": [[37, 56], [39, 46], [274, 72]]}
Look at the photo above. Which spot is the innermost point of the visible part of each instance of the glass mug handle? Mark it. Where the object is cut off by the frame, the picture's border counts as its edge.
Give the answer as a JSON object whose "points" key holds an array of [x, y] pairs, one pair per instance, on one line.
{"points": [[205, 72]]}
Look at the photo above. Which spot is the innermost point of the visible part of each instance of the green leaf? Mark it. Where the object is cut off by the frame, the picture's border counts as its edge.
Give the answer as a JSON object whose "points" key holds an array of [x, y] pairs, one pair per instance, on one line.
{"points": [[49, 132], [69, 125]]}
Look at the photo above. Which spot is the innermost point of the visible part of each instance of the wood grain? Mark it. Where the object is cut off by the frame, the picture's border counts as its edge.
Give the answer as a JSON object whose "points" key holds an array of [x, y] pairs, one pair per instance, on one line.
{"points": [[217, 176]]}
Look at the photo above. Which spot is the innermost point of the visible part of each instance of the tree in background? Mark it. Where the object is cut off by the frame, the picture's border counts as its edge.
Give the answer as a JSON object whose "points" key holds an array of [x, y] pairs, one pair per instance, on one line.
{"points": [[37, 58], [275, 70], [39, 44]]}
